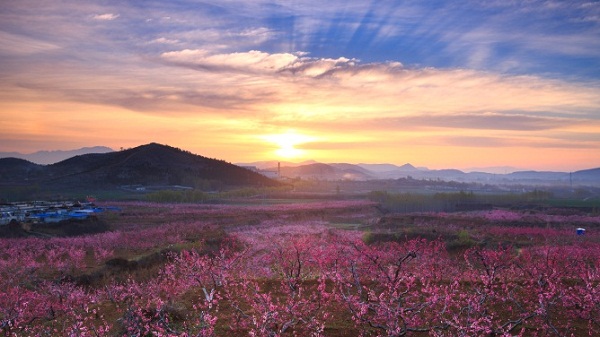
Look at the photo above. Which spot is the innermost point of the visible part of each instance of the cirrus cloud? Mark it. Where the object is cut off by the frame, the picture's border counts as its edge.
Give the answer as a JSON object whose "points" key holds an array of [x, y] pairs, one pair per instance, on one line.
{"points": [[105, 17], [255, 61]]}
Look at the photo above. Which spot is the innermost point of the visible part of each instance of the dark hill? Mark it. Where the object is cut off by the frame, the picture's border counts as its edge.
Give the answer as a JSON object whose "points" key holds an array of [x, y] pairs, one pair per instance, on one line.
{"points": [[587, 175], [151, 164], [15, 169]]}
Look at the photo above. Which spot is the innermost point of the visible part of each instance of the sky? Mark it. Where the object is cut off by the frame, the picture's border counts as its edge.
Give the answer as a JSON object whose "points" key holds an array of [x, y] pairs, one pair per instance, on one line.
{"points": [[440, 84]]}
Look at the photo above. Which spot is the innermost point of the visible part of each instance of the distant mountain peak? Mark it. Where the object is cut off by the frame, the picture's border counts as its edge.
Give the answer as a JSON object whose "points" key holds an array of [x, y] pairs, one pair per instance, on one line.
{"points": [[46, 157], [381, 168], [408, 166], [155, 146]]}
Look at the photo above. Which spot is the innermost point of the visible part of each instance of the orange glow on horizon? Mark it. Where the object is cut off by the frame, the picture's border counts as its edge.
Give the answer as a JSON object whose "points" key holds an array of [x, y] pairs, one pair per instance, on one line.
{"points": [[287, 144], [342, 118]]}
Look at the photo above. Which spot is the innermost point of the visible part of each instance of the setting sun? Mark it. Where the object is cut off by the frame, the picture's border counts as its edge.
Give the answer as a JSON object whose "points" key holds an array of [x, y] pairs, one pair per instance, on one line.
{"points": [[286, 144]]}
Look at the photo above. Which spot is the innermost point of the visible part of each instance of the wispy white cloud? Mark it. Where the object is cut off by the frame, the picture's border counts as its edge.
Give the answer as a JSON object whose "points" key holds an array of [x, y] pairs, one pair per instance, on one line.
{"points": [[481, 121], [558, 43], [256, 62], [23, 45], [219, 40], [164, 40], [513, 142], [105, 17], [260, 33]]}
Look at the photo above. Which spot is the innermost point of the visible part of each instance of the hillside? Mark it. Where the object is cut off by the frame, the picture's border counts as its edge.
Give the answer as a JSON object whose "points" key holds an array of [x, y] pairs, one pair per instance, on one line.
{"points": [[319, 171], [18, 170], [151, 164], [586, 175]]}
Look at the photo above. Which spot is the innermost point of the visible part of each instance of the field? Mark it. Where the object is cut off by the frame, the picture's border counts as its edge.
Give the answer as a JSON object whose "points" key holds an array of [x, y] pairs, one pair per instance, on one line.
{"points": [[327, 268]]}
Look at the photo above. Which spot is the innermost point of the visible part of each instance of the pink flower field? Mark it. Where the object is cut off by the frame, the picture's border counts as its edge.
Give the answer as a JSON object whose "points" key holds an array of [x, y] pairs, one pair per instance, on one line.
{"points": [[339, 268]]}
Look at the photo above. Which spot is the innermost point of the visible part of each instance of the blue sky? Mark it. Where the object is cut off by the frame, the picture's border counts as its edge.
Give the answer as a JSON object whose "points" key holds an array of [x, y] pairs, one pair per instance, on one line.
{"points": [[526, 37], [485, 82]]}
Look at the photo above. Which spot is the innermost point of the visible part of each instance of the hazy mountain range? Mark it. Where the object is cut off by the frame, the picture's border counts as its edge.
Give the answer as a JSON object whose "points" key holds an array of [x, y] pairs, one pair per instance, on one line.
{"points": [[340, 171], [162, 164], [51, 157]]}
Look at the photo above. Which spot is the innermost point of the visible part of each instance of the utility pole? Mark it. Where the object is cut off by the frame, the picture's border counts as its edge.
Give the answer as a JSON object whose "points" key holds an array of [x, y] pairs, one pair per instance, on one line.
{"points": [[571, 179]]}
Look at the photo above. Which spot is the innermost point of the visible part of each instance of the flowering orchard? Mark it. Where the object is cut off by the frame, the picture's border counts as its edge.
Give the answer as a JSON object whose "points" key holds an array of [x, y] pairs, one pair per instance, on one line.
{"points": [[291, 270]]}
